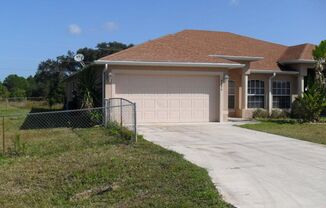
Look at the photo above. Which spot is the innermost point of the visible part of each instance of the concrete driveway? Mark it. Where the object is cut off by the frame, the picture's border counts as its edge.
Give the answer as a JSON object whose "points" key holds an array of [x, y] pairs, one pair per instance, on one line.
{"points": [[250, 169]]}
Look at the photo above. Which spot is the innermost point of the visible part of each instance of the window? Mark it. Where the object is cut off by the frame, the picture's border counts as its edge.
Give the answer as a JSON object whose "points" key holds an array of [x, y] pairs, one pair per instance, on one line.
{"points": [[231, 94], [281, 94], [256, 94]]}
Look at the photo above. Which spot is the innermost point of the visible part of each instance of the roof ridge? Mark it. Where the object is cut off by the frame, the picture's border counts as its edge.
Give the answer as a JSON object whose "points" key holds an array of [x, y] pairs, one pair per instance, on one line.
{"points": [[302, 44]]}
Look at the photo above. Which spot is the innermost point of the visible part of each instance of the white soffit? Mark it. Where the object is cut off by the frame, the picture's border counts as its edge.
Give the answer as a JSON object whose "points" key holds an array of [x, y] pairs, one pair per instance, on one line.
{"points": [[167, 63]]}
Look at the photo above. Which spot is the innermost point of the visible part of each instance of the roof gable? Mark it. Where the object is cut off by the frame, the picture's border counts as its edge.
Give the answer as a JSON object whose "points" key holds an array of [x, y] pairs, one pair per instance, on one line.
{"points": [[298, 52]]}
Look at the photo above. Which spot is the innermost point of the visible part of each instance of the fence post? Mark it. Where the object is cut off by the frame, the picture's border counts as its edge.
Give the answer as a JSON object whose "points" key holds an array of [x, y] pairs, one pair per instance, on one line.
{"points": [[3, 136], [104, 112], [109, 111], [135, 121], [120, 112]]}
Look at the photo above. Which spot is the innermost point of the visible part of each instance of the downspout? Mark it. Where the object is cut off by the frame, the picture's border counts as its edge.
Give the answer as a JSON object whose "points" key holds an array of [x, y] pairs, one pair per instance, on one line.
{"points": [[104, 105], [270, 95], [104, 83]]}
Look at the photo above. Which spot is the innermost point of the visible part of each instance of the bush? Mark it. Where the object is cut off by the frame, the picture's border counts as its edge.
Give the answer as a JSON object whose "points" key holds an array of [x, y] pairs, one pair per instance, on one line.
{"points": [[260, 113], [279, 114], [308, 108], [119, 131]]}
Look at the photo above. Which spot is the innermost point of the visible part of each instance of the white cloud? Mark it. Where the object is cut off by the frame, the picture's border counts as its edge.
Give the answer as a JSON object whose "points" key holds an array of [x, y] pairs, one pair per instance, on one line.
{"points": [[111, 26], [234, 2], [74, 29]]}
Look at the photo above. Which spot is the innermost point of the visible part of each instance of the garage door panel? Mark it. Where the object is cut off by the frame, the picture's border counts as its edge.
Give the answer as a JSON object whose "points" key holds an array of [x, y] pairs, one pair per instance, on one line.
{"points": [[170, 98], [185, 103], [162, 103], [198, 115], [198, 103], [185, 115], [149, 115], [162, 115], [174, 103], [149, 104], [174, 115]]}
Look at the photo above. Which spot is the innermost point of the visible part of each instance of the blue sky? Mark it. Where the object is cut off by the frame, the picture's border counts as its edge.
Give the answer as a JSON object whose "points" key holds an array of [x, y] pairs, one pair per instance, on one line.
{"points": [[34, 30]]}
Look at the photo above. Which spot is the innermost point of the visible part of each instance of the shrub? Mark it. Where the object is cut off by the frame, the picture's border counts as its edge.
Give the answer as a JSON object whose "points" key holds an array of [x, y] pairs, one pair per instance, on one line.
{"points": [[119, 131], [278, 114], [260, 113], [308, 108]]}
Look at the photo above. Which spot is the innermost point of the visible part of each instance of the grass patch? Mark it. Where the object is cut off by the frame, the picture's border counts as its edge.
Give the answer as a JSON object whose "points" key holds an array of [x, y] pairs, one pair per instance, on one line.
{"points": [[51, 167], [53, 170], [307, 131]]}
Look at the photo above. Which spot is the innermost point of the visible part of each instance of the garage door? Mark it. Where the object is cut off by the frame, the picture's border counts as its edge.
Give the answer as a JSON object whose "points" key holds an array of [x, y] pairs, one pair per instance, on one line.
{"points": [[170, 98]]}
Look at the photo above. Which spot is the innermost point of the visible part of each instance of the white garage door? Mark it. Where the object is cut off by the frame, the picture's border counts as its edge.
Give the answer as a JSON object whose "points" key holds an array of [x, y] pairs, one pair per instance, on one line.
{"points": [[170, 98]]}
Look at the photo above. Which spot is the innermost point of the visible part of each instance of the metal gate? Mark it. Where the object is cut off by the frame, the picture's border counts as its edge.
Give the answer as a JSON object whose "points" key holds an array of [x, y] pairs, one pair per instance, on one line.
{"points": [[122, 112]]}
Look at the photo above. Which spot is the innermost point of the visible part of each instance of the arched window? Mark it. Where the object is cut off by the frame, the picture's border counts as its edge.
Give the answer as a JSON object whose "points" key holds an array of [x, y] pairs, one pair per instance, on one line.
{"points": [[256, 94]]}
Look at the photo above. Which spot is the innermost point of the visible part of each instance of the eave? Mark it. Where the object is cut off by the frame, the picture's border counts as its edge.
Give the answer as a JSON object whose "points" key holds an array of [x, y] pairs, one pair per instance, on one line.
{"points": [[176, 64]]}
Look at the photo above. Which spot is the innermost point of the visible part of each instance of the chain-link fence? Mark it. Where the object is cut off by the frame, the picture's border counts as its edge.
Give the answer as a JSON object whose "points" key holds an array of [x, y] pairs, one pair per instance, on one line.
{"points": [[122, 112], [20, 126]]}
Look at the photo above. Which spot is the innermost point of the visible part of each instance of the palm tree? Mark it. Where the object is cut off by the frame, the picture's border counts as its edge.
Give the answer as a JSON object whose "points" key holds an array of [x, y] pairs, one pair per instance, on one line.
{"points": [[319, 54]]}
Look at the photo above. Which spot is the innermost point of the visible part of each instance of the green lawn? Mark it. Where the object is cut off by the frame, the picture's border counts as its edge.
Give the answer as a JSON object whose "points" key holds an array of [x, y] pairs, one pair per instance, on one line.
{"points": [[66, 168], [309, 132]]}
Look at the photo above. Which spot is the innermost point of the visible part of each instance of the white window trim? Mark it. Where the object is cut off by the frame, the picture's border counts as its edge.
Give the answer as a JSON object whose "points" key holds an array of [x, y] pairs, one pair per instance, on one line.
{"points": [[262, 95], [289, 95], [232, 94]]}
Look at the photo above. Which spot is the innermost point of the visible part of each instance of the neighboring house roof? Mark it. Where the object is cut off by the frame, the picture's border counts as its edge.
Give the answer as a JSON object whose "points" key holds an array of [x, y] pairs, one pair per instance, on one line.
{"points": [[196, 46]]}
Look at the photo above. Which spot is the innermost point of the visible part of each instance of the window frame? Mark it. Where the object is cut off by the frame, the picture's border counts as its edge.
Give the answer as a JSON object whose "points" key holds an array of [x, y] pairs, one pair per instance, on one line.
{"points": [[287, 90], [253, 91], [231, 95]]}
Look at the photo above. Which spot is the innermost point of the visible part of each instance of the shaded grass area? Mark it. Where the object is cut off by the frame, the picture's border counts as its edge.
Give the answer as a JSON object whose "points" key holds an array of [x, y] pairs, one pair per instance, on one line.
{"points": [[59, 119], [307, 131], [48, 172]]}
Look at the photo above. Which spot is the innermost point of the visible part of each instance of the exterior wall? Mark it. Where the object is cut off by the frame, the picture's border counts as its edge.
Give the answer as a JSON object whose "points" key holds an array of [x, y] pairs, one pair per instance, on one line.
{"points": [[222, 93], [235, 75]]}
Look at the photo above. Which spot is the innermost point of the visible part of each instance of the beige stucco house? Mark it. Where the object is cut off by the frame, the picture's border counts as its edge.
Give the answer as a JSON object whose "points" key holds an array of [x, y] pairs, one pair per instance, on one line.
{"points": [[205, 76]]}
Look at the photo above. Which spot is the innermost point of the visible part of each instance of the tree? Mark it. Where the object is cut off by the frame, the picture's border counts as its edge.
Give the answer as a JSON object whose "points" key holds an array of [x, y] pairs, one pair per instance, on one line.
{"points": [[4, 93], [51, 73], [105, 49], [48, 80], [310, 105], [88, 89], [319, 54], [14, 81], [16, 85], [101, 50]]}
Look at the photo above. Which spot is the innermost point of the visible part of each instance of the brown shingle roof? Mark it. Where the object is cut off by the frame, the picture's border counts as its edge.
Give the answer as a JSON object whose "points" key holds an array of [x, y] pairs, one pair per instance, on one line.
{"points": [[197, 45], [303, 51]]}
